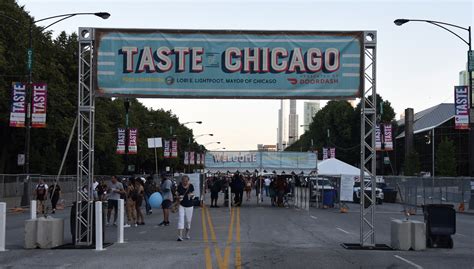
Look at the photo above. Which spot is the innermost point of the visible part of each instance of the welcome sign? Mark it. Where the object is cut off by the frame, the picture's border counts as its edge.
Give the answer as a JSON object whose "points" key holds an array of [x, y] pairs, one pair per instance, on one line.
{"points": [[229, 64]]}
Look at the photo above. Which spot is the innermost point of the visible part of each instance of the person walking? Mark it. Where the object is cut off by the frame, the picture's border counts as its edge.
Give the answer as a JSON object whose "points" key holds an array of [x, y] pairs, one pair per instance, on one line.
{"points": [[216, 187], [248, 187], [41, 192], [150, 188], [166, 188], [54, 195], [132, 196], [238, 186], [114, 190], [267, 182], [185, 195], [140, 190]]}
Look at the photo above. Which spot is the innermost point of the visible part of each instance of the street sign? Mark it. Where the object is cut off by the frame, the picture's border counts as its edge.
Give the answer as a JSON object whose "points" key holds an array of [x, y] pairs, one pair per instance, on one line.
{"points": [[21, 159], [470, 59], [30, 59]]}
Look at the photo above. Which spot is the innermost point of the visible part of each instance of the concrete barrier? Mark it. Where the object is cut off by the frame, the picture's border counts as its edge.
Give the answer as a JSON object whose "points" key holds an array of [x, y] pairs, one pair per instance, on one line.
{"points": [[400, 234], [33, 207], [408, 234], [44, 232], [418, 235]]}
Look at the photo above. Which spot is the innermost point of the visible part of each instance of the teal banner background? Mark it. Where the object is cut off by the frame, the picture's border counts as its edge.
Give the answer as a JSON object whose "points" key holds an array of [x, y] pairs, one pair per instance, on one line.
{"points": [[119, 74]]}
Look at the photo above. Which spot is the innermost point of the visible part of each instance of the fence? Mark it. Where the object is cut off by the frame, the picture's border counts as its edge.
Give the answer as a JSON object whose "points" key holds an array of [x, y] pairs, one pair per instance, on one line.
{"points": [[11, 187], [417, 191], [412, 192]]}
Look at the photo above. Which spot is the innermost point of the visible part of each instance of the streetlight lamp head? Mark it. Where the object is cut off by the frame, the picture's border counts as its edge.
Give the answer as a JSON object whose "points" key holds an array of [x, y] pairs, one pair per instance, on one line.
{"points": [[103, 15], [199, 122], [400, 22], [218, 142], [211, 134]]}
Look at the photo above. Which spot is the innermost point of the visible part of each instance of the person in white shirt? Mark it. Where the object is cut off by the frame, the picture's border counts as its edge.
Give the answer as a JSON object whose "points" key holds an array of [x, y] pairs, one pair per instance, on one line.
{"points": [[267, 182]]}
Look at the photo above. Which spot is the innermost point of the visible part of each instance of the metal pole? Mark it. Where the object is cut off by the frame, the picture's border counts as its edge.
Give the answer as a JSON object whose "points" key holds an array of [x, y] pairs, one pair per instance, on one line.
{"points": [[433, 152], [120, 219], [471, 117], [127, 107], [3, 225], [25, 197], [156, 162]]}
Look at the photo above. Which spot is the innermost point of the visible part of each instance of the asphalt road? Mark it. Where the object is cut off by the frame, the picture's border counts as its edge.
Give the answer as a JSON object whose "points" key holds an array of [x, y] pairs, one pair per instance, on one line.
{"points": [[253, 236]]}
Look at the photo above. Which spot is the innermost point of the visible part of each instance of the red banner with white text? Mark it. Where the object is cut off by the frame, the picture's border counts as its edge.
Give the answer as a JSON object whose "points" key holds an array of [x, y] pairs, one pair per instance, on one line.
{"points": [[18, 108], [132, 141], [38, 105]]}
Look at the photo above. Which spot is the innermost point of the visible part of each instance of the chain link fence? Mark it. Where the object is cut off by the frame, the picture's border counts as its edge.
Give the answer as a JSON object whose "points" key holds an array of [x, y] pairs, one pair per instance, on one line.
{"points": [[414, 192]]}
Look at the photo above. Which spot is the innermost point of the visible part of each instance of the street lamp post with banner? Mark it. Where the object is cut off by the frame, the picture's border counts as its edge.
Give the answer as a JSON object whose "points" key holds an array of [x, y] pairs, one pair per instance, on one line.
{"points": [[229, 64]]}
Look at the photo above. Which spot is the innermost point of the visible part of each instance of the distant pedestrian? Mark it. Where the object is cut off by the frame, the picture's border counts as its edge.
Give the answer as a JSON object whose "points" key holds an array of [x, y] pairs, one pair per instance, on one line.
{"points": [[259, 188], [248, 187], [41, 192], [238, 185], [216, 187], [138, 185], [132, 196], [54, 195], [166, 189], [267, 182], [185, 195], [114, 191], [272, 191]]}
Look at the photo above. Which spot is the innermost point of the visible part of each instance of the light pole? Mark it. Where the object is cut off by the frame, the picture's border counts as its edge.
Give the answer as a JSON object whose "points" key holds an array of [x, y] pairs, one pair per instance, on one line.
{"points": [[103, 15], [468, 42], [189, 143], [189, 122]]}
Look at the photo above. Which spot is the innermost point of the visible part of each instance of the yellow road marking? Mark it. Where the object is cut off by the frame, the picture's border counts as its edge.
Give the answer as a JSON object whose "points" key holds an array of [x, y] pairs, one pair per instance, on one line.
{"points": [[214, 240], [238, 257], [207, 251], [229, 239]]}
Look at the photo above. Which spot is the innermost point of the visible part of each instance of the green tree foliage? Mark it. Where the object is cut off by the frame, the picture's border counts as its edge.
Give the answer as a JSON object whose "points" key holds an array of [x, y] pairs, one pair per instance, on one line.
{"points": [[446, 158], [342, 122], [55, 63], [412, 164]]}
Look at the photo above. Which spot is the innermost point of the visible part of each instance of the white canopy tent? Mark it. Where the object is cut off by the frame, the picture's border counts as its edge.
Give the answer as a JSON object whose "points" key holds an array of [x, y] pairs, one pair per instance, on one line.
{"points": [[335, 167]]}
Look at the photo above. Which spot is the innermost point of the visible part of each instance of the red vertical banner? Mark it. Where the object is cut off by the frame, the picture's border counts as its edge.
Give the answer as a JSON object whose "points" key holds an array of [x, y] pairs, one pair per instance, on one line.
{"points": [[387, 133], [191, 158], [132, 141], [166, 149], [120, 141], [174, 148], [325, 153], [38, 106], [18, 108], [378, 138], [332, 152], [186, 157]]}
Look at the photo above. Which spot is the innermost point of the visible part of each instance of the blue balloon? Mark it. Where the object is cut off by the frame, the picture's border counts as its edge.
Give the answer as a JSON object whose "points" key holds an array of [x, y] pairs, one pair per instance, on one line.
{"points": [[155, 200]]}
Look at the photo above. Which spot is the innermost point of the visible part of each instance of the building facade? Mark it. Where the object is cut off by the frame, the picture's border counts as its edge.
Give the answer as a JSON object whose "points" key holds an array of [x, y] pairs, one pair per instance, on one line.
{"points": [[310, 109]]}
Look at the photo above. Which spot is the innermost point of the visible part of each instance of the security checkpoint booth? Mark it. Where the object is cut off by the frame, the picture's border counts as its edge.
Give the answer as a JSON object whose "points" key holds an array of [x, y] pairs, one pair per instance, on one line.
{"points": [[226, 64]]}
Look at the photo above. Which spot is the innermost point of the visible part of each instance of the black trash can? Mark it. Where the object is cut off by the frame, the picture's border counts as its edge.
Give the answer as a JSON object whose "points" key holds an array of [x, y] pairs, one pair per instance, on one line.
{"points": [[83, 229], [440, 222]]}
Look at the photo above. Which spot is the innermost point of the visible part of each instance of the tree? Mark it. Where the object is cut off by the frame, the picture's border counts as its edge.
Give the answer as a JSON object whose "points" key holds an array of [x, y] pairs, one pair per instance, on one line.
{"points": [[412, 164], [446, 158]]}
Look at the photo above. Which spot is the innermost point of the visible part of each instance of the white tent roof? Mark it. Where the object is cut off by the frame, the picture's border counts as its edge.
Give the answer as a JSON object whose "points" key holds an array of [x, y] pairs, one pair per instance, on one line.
{"points": [[332, 167]]}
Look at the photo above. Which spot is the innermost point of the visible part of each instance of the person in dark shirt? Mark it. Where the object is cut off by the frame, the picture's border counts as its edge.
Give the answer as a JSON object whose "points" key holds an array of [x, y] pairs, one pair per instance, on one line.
{"points": [[185, 212], [54, 196], [238, 185], [216, 187]]}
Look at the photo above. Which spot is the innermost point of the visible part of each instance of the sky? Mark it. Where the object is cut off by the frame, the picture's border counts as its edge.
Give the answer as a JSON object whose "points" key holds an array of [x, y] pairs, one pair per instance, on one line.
{"points": [[417, 64]]}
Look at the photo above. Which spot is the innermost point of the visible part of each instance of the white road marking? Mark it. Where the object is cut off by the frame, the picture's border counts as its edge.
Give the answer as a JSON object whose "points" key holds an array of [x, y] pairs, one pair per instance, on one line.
{"points": [[460, 234], [142, 232], [313, 217], [409, 262], [344, 231]]}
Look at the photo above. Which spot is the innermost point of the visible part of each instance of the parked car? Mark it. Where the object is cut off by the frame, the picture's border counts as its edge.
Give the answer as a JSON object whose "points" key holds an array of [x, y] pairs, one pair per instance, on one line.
{"points": [[389, 193], [379, 196]]}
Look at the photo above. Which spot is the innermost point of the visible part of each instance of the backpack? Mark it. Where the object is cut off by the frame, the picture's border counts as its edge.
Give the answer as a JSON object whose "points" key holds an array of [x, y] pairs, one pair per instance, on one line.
{"points": [[40, 191]]}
